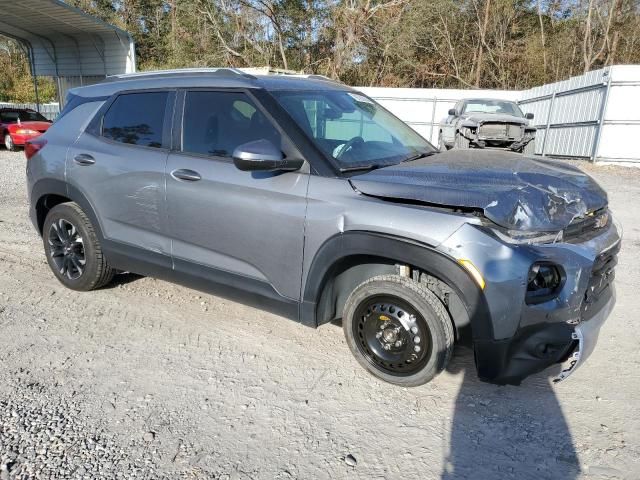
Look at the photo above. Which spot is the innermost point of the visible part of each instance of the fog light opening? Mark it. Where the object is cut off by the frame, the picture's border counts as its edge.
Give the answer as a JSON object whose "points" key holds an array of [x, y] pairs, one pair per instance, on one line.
{"points": [[544, 282]]}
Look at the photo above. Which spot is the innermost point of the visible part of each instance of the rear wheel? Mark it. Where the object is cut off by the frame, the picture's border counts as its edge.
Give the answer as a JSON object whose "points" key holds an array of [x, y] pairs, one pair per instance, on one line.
{"points": [[73, 249], [8, 143], [398, 330]]}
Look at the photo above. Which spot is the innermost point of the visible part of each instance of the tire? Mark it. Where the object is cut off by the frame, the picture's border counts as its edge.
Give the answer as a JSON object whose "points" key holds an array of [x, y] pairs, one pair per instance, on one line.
{"points": [[393, 311], [8, 143], [441, 145], [69, 240], [530, 148], [460, 141]]}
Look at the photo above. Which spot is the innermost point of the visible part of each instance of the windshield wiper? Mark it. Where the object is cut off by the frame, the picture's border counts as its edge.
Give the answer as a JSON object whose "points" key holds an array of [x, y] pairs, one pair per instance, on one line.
{"points": [[359, 168], [418, 156]]}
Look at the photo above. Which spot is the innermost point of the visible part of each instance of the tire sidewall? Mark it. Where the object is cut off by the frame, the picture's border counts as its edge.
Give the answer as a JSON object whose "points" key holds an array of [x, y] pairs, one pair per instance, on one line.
{"points": [[8, 143], [441, 145], [439, 355], [87, 279]]}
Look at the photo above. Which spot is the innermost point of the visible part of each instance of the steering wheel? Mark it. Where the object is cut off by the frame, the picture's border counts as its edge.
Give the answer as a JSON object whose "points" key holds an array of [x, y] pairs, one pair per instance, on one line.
{"points": [[349, 145]]}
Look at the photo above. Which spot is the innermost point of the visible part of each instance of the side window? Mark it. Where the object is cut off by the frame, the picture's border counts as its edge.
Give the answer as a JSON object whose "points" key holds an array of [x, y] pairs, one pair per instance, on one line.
{"points": [[215, 123], [136, 118]]}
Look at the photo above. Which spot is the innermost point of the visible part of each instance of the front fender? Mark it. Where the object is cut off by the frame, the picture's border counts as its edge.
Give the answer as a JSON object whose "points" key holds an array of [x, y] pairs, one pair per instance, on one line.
{"points": [[400, 250]]}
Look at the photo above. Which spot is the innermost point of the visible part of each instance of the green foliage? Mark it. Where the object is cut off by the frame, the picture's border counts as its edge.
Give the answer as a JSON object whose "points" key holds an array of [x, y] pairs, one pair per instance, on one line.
{"points": [[402, 43], [16, 83]]}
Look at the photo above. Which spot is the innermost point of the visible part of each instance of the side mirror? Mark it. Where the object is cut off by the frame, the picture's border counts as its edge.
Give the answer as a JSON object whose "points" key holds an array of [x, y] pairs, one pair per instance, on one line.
{"points": [[529, 116], [452, 112], [264, 156]]}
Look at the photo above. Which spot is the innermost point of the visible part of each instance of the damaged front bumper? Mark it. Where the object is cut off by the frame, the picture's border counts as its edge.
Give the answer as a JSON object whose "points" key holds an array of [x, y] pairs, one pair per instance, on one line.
{"points": [[585, 335], [561, 346], [478, 140], [558, 333]]}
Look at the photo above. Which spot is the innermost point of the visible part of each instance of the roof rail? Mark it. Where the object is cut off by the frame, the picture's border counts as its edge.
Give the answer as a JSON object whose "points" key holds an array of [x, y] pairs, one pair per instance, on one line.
{"points": [[221, 71], [286, 73]]}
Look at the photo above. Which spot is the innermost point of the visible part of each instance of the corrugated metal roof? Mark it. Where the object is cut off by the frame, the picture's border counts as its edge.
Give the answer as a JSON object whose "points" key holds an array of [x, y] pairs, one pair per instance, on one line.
{"points": [[65, 41]]}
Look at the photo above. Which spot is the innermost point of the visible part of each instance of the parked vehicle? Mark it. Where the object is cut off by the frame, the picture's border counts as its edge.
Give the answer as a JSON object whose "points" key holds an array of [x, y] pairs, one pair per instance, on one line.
{"points": [[305, 197], [17, 126], [487, 123]]}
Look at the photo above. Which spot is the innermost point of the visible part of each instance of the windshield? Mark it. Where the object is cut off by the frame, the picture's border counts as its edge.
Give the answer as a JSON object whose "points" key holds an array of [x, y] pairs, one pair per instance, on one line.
{"points": [[24, 116], [352, 129], [492, 106]]}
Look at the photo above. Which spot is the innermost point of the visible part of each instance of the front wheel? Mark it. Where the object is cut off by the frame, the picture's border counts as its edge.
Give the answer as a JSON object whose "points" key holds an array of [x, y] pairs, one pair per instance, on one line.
{"points": [[441, 145], [460, 141], [8, 143], [398, 330]]}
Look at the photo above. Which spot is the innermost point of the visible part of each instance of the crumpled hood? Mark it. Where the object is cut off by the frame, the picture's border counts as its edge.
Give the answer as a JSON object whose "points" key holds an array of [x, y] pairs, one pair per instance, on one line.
{"points": [[514, 191], [476, 118]]}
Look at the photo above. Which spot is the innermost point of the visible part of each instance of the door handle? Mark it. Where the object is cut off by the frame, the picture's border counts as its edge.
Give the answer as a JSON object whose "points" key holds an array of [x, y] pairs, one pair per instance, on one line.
{"points": [[186, 174], [84, 159]]}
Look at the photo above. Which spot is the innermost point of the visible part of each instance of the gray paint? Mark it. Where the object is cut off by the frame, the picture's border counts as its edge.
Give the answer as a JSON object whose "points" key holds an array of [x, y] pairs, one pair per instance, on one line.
{"points": [[514, 191], [251, 224], [270, 226]]}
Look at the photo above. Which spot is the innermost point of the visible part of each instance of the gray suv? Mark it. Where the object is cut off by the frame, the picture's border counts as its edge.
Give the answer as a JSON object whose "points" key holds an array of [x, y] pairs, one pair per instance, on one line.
{"points": [[305, 197]]}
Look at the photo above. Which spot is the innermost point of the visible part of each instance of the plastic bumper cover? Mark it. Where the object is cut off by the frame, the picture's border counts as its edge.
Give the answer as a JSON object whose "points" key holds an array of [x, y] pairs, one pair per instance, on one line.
{"points": [[541, 346]]}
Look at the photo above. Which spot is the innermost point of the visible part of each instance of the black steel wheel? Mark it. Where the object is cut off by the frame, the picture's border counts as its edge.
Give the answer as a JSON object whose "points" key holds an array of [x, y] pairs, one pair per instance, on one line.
{"points": [[73, 249], [392, 335], [398, 330]]}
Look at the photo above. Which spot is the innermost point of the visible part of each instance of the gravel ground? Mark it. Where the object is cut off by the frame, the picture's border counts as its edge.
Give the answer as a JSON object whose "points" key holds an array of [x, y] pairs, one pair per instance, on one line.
{"points": [[145, 379]]}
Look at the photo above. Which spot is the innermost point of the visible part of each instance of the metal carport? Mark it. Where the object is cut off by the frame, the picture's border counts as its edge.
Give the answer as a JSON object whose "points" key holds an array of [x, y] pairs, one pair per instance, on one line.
{"points": [[65, 43]]}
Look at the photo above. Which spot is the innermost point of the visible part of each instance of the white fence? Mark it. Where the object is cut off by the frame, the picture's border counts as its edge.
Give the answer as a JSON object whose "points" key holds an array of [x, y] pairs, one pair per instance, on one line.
{"points": [[594, 116]]}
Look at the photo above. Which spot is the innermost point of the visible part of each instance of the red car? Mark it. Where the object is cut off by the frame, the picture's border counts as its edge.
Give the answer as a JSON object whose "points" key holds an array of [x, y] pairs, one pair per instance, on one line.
{"points": [[17, 126]]}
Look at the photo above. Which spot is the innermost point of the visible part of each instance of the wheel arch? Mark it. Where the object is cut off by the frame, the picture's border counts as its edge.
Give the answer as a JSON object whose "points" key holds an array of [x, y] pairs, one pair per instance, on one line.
{"points": [[47, 193], [346, 260]]}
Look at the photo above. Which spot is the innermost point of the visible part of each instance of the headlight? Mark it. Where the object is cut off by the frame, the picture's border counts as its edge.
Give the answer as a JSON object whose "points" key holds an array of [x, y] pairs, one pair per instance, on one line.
{"points": [[544, 282], [26, 131], [520, 237]]}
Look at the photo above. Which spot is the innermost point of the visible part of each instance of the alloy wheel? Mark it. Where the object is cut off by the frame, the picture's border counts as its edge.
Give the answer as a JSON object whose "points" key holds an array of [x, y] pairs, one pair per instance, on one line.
{"points": [[66, 247]]}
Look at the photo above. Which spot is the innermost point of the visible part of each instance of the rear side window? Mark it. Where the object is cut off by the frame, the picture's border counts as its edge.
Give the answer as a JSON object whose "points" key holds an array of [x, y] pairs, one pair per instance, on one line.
{"points": [[136, 119], [215, 123]]}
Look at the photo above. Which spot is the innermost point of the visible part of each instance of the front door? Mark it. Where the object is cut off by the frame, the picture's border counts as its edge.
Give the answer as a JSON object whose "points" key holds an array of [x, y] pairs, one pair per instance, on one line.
{"points": [[247, 225]]}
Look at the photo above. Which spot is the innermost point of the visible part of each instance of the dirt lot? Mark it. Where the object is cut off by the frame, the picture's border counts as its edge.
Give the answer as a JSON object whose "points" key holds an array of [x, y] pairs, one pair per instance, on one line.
{"points": [[145, 379]]}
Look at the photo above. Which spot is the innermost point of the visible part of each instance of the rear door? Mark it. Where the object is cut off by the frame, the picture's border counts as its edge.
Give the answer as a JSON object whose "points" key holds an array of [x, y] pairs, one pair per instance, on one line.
{"points": [[248, 226], [118, 163]]}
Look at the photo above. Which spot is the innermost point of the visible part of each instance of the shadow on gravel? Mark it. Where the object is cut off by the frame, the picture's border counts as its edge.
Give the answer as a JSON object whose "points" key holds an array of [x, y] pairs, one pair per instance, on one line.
{"points": [[122, 279], [507, 432]]}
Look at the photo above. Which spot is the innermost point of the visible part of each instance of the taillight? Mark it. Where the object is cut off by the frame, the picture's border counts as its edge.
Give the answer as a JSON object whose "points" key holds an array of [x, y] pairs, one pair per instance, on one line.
{"points": [[31, 147]]}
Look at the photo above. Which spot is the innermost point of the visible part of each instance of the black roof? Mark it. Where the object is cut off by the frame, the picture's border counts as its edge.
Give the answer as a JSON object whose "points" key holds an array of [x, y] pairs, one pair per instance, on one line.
{"points": [[221, 77]]}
